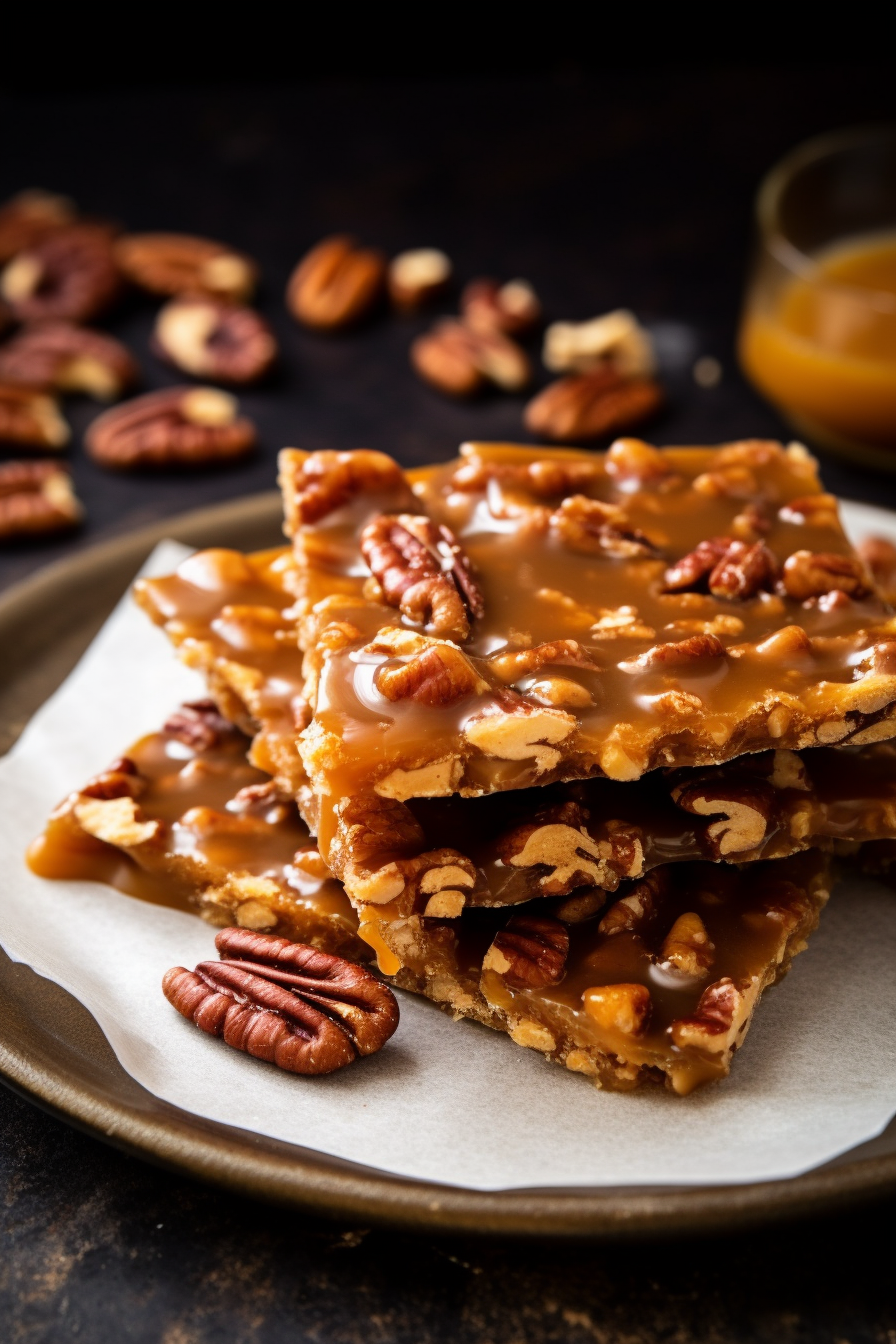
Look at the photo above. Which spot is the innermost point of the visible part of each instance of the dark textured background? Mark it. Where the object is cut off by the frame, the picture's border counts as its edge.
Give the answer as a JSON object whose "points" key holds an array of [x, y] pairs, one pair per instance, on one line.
{"points": [[604, 189]]}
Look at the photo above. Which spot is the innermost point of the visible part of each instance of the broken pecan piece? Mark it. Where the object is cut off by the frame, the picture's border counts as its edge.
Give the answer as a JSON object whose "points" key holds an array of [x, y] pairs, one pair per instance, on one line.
{"points": [[317, 484], [460, 360], [62, 357], [198, 724], [36, 498], [687, 652], [591, 405], [208, 338], [70, 275], [291, 1005], [438, 675], [814, 574], [745, 811], [423, 571], [529, 952], [175, 427], [416, 278], [178, 263], [724, 567], [512, 308], [633, 912], [335, 284], [31, 216], [619, 1008], [31, 419], [591, 527], [616, 338], [687, 946]]}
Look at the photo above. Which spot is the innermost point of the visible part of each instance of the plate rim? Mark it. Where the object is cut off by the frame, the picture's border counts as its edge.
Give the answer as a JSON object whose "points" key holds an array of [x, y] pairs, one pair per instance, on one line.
{"points": [[250, 1164]]}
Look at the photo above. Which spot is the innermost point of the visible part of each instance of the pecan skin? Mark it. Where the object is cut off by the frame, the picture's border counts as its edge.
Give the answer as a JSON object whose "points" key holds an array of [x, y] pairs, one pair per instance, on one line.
{"points": [[62, 357], [175, 427], [36, 498], [70, 275], [460, 360], [31, 419], [405, 554], [335, 284], [208, 338], [178, 263], [591, 405], [317, 485], [814, 574], [291, 1005], [535, 948]]}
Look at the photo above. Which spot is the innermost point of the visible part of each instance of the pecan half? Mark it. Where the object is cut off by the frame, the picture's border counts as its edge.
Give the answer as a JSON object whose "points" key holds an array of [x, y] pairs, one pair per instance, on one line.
{"points": [[208, 338], [317, 484], [62, 357], [745, 811], [178, 263], [529, 952], [512, 308], [335, 284], [813, 574], [616, 338], [198, 724], [70, 275], [292, 1005], [423, 571], [438, 675], [687, 652], [31, 216], [635, 911], [727, 568], [624, 1008], [175, 427], [461, 360], [591, 527], [416, 278], [36, 498], [591, 405], [31, 419]]}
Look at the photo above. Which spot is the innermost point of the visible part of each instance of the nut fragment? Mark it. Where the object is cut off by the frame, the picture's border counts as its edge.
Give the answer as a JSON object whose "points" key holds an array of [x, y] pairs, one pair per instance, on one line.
{"points": [[813, 574], [619, 1008], [36, 498], [697, 649], [687, 946], [198, 724], [439, 675], [591, 405], [423, 571], [335, 284], [292, 1005], [635, 911], [636, 465], [529, 952], [591, 527], [513, 308], [31, 216], [178, 263], [416, 278], [558, 841], [544, 478], [62, 357], [70, 275], [513, 730], [724, 567], [818, 510], [879, 554], [616, 338], [557, 652], [177, 426], [211, 339], [745, 809], [31, 419], [460, 360], [714, 1025]]}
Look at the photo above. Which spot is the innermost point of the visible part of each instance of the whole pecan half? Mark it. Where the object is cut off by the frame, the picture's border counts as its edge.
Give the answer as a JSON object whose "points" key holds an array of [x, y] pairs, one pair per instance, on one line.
{"points": [[70, 275], [211, 339], [416, 278], [335, 284], [198, 724], [529, 952], [62, 357], [178, 263], [31, 216], [423, 570], [736, 570], [683, 653], [461, 360], [292, 1005], [317, 484], [591, 527], [175, 427], [31, 419], [816, 573], [591, 405], [513, 308], [36, 498]]}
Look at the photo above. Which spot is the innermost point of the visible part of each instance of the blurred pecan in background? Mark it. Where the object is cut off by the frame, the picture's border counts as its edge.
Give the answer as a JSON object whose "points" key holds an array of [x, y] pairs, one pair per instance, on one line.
{"points": [[29, 217], [416, 278], [178, 263], [460, 360], [336, 283], [512, 308], [591, 405], [616, 338], [31, 419], [36, 498], [216, 340], [178, 426], [69, 275], [61, 357]]}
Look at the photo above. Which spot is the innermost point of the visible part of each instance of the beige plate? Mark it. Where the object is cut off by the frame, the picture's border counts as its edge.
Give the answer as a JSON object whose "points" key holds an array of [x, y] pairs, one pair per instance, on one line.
{"points": [[53, 1052]]}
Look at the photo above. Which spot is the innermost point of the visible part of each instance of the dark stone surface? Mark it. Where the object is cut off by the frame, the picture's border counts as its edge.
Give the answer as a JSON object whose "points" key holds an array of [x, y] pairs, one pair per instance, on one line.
{"points": [[627, 190]]}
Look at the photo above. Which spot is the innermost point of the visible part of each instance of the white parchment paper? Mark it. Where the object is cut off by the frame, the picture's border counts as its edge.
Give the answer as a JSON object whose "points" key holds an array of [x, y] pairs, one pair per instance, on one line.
{"points": [[445, 1101]]}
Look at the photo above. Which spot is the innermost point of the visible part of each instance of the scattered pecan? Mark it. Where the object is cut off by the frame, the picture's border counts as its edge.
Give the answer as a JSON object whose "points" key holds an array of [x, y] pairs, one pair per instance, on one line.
{"points": [[591, 405], [635, 465], [591, 527], [522, 662], [31, 419], [177, 426], [636, 910], [752, 523], [513, 308], [416, 278], [692, 571], [688, 947], [31, 216], [460, 360], [727, 568], [616, 338], [36, 498], [879, 555], [408, 555], [529, 952], [178, 263], [208, 338], [619, 1008], [813, 574], [62, 357], [198, 724], [439, 675], [734, 482], [745, 808], [697, 649], [316, 484], [335, 284], [70, 275], [292, 1005]]}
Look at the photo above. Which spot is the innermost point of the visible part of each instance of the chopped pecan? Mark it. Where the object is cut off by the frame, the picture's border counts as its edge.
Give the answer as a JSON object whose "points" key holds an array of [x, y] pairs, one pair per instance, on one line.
{"points": [[460, 360], [70, 275], [818, 510], [316, 484], [619, 1008], [509, 667], [513, 730], [879, 555], [116, 820], [208, 338], [529, 952], [177, 426], [724, 567], [31, 216], [635, 911], [335, 284], [121, 779], [513, 308], [438, 675], [198, 724], [692, 571], [556, 839], [713, 1026], [292, 1005], [745, 810], [635, 465], [62, 357], [178, 263], [752, 523], [416, 278], [423, 571], [734, 482], [36, 498], [687, 946], [697, 649], [616, 338], [544, 478], [588, 526], [31, 419], [591, 405], [813, 574]]}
